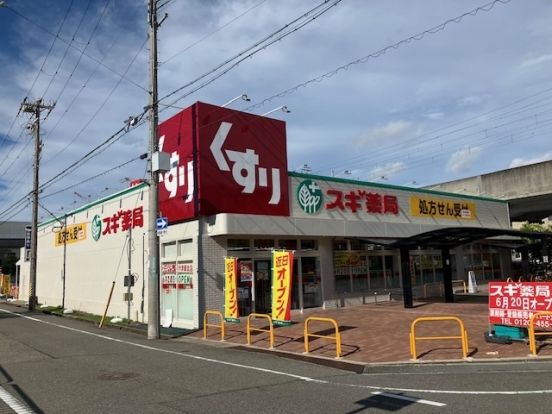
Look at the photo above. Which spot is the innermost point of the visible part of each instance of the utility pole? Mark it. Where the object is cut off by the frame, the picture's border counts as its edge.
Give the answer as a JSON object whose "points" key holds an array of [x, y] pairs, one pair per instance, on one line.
{"points": [[34, 108], [153, 239], [129, 277], [64, 259]]}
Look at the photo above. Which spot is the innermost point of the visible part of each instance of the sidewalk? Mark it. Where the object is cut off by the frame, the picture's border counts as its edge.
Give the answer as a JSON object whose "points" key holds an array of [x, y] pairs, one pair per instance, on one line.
{"points": [[379, 333]]}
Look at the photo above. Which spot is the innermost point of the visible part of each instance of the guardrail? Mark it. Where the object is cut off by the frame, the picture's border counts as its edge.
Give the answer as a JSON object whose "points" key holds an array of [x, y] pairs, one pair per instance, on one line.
{"points": [[413, 338], [205, 324], [270, 330], [337, 336], [533, 334]]}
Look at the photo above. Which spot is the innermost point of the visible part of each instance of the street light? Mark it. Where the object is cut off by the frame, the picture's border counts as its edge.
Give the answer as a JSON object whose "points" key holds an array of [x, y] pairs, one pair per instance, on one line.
{"points": [[242, 96], [282, 108]]}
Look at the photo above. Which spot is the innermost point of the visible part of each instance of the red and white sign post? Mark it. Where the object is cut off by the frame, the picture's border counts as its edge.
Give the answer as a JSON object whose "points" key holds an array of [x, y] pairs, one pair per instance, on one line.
{"points": [[513, 303]]}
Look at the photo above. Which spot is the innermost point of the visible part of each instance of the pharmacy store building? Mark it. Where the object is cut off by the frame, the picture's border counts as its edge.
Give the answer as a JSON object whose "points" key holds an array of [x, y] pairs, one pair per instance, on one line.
{"points": [[228, 193]]}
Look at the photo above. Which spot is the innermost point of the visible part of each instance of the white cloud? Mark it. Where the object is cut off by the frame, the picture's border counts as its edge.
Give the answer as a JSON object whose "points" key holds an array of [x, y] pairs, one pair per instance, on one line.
{"points": [[463, 159], [384, 133], [539, 60], [387, 171], [441, 80], [469, 101], [518, 162], [435, 116]]}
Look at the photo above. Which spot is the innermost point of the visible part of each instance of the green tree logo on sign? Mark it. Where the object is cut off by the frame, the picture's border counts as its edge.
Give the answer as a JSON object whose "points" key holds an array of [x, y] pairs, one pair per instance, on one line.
{"points": [[96, 227], [309, 196]]}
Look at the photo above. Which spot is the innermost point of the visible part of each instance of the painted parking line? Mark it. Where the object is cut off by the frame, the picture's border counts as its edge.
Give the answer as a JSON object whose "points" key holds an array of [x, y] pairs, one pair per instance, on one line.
{"points": [[409, 399], [14, 403]]}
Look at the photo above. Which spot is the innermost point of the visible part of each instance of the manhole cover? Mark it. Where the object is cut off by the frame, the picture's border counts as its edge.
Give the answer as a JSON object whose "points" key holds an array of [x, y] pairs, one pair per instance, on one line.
{"points": [[117, 376]]}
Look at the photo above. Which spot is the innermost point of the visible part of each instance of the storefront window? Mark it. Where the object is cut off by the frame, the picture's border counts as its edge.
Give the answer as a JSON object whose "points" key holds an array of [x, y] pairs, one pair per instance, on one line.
{"points": [[185, 249], [177, 289], [355, 244], [245, 285], [342, 272], [339, 245], [308, 245], [359, 271], [375, 268], [497, 273], [264, 244], [295, 292], [237, 245], [438, 267], [169, 249], [312, 286], [391, 276], [290, 244], [427, 268]]}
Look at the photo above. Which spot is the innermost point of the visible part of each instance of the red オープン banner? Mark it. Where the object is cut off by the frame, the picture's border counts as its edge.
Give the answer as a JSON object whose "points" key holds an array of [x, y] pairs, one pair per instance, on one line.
{"points": [[513, 303], [231, 289], [282, 269]]}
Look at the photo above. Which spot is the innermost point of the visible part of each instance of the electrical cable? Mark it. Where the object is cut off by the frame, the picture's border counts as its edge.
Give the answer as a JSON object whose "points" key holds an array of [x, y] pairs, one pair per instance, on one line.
{"points": [[419, 36], [104, 102], [73, 46], [5, 137], [81, 89], [140, 157], [207, 35], [81, 54], [259, 46], [66, 50]]}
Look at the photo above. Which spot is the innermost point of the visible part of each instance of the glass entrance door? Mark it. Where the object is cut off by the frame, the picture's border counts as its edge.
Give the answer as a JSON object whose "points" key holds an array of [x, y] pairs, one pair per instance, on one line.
{"points": [[263, 297], [312, 282]]}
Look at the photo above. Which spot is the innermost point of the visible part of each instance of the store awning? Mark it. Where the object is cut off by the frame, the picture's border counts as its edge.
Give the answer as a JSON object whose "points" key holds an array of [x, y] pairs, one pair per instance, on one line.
{"points": [[450, 237]]}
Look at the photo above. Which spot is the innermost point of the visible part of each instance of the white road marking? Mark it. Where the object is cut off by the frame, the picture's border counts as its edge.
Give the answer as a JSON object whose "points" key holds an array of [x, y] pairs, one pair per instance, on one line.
{"points": [[270, 371], [410, 399], [14, 403]]}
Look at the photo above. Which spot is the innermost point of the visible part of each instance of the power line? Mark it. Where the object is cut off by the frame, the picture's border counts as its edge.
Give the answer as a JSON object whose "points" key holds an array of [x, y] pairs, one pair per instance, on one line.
{"points": [[140, 157], [82, 54], [257, 47], [83, 86], [451, 135], [74, 47], [15, 213], [207, 35], [41, 67], [66, 50], [419, 36], [97, 149], [104, 102]]}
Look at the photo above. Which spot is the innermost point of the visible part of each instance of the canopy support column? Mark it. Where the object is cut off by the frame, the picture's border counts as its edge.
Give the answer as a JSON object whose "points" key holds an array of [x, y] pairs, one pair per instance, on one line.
{"points": [[447, 275], [406, 277]]}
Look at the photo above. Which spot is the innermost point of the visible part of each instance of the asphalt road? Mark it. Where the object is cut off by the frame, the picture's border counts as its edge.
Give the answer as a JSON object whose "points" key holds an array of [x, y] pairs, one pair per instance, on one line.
{"points": [[58, 365]]}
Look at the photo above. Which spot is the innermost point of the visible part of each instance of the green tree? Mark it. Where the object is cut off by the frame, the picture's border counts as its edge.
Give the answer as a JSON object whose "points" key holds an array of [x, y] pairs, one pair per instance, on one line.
{"points": [[538, 227]]}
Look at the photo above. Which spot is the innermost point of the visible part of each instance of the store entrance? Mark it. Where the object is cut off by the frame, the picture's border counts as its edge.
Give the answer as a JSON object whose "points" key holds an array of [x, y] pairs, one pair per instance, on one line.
{"points": [[263, 297]]}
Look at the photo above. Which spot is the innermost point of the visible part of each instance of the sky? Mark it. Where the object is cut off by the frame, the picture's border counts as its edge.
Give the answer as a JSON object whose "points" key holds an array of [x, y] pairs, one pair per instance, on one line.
{"points": [[402, 92]]}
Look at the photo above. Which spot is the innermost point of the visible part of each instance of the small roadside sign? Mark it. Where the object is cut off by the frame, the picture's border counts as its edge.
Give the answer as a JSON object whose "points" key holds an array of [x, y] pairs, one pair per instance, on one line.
{"points": [[162, 224]]}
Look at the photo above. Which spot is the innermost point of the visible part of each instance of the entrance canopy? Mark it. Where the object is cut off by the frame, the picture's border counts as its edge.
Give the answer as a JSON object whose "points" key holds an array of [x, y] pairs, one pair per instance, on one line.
{"points": [[451, 237], [446, 239]]}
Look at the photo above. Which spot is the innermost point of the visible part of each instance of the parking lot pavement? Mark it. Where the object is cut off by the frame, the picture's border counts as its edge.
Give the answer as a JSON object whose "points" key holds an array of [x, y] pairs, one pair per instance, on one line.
{"points": [[379, 333]]}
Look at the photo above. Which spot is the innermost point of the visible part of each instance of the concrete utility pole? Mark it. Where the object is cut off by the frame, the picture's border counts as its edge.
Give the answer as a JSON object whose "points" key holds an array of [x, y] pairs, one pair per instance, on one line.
{"points": [[35, 109], [129, 277], [153, 239], [64, 259]]}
